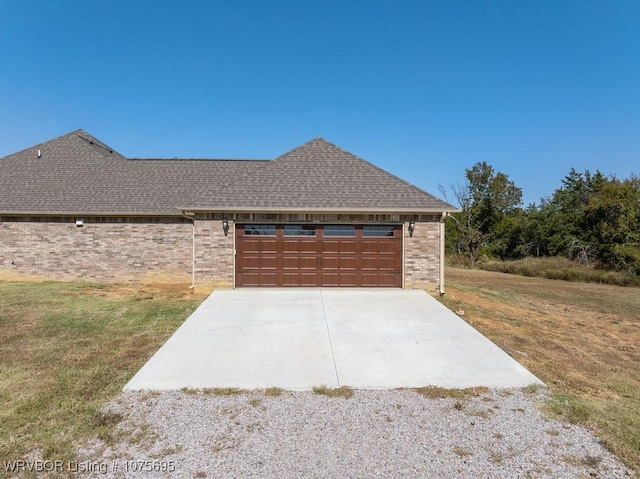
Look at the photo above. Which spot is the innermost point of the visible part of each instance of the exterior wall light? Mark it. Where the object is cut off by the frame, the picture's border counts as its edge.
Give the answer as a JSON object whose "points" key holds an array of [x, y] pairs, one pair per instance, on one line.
{"points": [[79, 223], [225, 226], [412, 225]]}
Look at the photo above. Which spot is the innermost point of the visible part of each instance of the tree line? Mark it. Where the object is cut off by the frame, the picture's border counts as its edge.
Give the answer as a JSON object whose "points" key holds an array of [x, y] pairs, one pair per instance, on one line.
{"points": [[592, 218]]}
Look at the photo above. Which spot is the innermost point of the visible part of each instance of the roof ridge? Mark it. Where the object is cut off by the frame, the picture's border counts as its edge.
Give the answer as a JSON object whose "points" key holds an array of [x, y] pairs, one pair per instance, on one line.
{"points": [[197, 159], [79, 133], [92, 141], [300, 147]]}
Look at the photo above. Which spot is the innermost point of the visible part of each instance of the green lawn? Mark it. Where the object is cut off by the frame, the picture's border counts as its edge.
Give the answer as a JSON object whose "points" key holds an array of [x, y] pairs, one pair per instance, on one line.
{"points": [[67, 349]]}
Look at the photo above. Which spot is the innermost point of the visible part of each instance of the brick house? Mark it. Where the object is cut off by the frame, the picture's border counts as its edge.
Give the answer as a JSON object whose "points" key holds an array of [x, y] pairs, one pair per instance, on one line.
{"points": [[74, 208]]}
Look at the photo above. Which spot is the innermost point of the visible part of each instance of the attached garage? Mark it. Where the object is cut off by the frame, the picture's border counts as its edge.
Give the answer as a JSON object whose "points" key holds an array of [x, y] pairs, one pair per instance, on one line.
{"points": [[318, 255], [316, 215]]}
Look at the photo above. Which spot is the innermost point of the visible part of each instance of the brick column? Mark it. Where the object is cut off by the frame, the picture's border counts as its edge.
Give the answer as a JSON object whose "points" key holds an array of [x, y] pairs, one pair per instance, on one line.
{"points": [[214, 255], [422, 256]]}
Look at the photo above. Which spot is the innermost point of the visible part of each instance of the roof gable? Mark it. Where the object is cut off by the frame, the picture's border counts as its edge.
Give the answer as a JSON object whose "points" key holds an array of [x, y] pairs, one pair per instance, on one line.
{"points": [[320, 175], [77, 173]]}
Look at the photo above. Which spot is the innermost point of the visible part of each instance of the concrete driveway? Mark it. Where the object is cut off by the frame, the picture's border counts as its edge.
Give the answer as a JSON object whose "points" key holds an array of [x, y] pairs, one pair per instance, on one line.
{"points": [[299, 338]]}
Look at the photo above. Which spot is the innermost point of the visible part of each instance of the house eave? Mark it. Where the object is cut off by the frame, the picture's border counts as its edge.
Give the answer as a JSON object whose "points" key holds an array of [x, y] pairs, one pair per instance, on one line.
{"points": [[259, 210], [86, 213], [272, 210]]}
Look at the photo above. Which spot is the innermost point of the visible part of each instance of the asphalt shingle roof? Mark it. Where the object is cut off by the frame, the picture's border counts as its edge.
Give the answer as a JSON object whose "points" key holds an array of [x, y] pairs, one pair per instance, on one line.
{"points": [[77, 173]]}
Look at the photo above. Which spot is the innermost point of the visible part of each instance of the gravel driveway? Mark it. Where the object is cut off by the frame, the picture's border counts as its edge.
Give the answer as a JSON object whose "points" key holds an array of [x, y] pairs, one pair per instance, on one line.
{"points": [[383, 433]]}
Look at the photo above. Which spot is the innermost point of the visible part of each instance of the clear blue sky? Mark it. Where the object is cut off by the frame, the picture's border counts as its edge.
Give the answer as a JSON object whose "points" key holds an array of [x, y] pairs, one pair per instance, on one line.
{"points": [[424, 89]]}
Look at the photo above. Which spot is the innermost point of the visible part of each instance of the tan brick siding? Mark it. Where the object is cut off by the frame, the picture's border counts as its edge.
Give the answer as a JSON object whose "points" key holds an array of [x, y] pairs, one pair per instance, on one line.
{"points": [[214, 253], [422, 256], [161, 251], [102, 251]]}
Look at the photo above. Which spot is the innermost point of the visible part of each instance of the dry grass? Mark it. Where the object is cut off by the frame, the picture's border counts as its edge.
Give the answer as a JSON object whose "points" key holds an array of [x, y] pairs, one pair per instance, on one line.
{"points": [[435, 392], [273, 391], [67, 348], [343, 391], [214, 391], [462, 452], [560, 268], [583, 340]]}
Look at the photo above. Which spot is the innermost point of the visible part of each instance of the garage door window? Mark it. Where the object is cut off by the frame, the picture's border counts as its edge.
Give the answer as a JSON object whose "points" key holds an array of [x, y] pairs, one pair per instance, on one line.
{"points": [[262, 230], [299, 230], [376, 230], [340, 230]]}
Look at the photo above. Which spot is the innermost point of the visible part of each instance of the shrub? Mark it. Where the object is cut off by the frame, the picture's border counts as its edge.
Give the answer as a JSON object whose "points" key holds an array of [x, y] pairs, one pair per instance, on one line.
{"points": [[561, 269]]}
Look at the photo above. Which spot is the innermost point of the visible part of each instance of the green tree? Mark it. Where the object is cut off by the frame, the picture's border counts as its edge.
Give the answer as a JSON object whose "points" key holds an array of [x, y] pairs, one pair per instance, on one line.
{"points": [[487, 199], [565, 227], [613, 218]]}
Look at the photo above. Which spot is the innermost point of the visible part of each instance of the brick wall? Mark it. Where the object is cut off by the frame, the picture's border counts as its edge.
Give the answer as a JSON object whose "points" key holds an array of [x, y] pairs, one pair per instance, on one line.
{"points": [[214, 253], [422, 256], [158, 250]]}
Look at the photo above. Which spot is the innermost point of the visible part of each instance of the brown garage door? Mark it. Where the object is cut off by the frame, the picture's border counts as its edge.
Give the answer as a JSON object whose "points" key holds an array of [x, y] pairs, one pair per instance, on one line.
{"points": [[318, 255]]}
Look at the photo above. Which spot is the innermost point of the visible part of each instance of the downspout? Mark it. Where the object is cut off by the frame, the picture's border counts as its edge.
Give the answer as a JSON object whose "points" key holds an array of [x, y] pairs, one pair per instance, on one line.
{"points": [[442, 220], [191, 217]]}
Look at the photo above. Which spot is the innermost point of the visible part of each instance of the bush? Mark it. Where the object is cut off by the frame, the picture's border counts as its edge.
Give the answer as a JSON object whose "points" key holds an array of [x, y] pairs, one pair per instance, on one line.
{"points": [[561, 269]]}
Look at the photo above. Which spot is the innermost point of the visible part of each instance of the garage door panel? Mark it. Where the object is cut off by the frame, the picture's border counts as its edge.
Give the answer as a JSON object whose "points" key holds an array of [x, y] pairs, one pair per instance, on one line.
{"points": [[299, 279], [369, 247], [390, 279], [308, 279], [308, 246], [339, 263], [260, 262], [348, 263], [290, 278], [251, 262], [330, 263], [247, 278], [370, 263], [347, 279], [251, 245], [369, 279], [389, 263], [299, 246], [330, 246], [389, 247], [299, 262], [258, 279], [267, 278], [339, 246], [347, 247], [267, 262], [268, 246], [329, 279], [382, 279]]}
